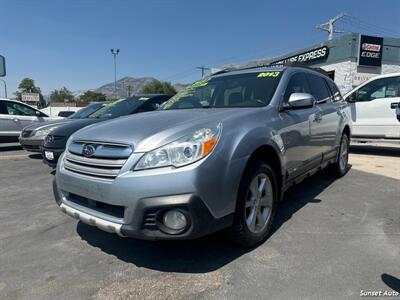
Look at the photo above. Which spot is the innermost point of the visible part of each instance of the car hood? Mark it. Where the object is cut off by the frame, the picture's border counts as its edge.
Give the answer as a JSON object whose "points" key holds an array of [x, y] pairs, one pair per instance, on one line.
{"points": [[150, 130], [75, 124], [46, 124]]}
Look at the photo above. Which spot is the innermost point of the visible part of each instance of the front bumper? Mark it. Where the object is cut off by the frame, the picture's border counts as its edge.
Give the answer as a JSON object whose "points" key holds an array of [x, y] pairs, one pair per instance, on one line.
{"points": [[56, 154], [203, 190], [145, 222], [32, 144]]}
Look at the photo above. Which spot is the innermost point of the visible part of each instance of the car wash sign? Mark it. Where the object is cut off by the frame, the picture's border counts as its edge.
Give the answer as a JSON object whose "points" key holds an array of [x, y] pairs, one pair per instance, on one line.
{"points": [[370, 52], [305, 57]]}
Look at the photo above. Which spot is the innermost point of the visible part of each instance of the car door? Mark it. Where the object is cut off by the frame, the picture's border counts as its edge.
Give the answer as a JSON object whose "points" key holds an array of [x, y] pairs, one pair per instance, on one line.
{"points": [[373, 108], [20, 115], [7, 126], [300, 152], [326, 124]]}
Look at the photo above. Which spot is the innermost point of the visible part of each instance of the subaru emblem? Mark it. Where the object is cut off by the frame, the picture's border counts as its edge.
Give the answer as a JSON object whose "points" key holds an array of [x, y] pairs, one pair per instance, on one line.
{"points": [[88, 150]]}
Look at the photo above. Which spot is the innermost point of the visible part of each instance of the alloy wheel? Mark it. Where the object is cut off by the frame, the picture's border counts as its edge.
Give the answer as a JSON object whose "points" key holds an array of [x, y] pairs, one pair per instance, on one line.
{"points": [[259, 200]]}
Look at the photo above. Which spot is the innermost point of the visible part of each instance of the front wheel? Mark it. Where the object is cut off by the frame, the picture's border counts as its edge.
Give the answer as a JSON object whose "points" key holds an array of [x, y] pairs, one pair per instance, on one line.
{"points": [[340, 166], [256, 205]]}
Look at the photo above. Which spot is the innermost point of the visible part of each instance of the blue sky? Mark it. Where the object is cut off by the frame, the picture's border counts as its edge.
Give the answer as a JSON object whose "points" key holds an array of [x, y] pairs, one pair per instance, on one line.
{"points": [[67, 43]]}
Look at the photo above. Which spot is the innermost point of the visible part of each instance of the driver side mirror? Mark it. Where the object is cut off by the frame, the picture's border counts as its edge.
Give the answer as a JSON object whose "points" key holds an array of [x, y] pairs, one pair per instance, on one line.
{"points": [[300, 100], [38, 113], [352, 97]]}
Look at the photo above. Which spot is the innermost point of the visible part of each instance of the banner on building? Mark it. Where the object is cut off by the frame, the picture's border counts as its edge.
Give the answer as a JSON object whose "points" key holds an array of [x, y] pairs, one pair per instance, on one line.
{"points": [[305, 57]]}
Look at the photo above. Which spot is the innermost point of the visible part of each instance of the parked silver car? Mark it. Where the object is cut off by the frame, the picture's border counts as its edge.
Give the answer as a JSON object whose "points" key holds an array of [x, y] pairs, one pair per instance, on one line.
{"points": [[15, 115], [219, 154], [32, 137]]}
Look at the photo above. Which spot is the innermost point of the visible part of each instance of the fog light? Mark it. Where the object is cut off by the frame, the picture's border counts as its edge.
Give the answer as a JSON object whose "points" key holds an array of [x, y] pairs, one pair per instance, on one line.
{"points": [[174, 219]]}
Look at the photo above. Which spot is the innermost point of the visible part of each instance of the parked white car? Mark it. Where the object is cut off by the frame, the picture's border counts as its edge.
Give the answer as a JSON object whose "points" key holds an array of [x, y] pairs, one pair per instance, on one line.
{"points": [[15, 115], [373, 108]]}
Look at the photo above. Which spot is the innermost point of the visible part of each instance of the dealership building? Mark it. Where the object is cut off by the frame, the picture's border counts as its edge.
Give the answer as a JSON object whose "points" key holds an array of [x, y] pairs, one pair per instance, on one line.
{"points": [[350, 59]]}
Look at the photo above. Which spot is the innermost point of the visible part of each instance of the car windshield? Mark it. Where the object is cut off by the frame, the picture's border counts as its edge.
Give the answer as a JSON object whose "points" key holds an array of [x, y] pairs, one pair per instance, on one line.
{"points": [[243, 90], [119, 108], [86, 111]]}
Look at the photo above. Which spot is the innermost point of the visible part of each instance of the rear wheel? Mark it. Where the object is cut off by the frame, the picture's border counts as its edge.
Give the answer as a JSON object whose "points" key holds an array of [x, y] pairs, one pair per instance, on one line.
{"points": [[256, 205], [340, 167]]}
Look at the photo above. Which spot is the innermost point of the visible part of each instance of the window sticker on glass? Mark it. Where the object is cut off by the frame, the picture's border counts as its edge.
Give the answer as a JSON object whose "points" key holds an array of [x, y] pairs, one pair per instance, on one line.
{"points": [[269, 74], [200, 83]]}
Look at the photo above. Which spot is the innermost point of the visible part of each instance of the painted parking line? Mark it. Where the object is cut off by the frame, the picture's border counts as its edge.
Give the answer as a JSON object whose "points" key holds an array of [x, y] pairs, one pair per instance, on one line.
{"points": [[13, 156]]}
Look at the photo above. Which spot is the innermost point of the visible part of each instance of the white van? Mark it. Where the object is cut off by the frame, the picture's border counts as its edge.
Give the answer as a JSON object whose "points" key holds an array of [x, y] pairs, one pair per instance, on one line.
{"points": [[373, 108]]}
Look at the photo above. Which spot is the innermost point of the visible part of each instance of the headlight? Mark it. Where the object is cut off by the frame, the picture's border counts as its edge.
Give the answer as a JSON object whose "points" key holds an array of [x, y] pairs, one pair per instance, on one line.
{"points": [[182, 152], [43, 132]]}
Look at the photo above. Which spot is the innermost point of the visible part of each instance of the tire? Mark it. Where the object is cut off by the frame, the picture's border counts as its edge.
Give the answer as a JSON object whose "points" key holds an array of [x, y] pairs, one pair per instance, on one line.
{"points": [[248, 231], [340, 167]]}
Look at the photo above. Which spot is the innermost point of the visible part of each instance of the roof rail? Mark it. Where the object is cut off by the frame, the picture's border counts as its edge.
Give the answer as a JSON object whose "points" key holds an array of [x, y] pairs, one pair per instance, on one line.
{"points": [[289, 64], [226, 70]]}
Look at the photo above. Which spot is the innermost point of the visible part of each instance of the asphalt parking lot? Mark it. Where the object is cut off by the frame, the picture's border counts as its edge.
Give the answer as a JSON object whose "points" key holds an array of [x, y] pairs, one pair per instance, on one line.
{"points": [[331, 240]]}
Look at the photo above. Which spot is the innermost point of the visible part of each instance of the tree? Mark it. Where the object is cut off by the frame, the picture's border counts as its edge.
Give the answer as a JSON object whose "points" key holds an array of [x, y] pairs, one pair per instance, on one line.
{"points": [[62, 95], [90, 96], [159, 87], [27, 85]]}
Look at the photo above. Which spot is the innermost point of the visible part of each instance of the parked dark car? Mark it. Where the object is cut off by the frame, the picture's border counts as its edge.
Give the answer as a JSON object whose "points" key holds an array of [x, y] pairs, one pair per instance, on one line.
{"points": [[65, 113], [32, 136], [54, 143]]}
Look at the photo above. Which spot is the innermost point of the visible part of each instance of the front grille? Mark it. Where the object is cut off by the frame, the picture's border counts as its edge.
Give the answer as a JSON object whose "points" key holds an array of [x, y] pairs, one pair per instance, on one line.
{"points": [[108, 209], [105, 161], [26, 133]]}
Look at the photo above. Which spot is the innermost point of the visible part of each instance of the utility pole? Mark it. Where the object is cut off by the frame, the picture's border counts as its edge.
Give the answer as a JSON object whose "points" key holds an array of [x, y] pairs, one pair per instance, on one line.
{"points": [[115, 53], [203, 69], [328, 26], [5, 87], [129, 90]]}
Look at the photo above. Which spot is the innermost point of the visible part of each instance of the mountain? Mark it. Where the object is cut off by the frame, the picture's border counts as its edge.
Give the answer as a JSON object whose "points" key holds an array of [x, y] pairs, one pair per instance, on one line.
{"points": [[127, 84], [132, 85]]}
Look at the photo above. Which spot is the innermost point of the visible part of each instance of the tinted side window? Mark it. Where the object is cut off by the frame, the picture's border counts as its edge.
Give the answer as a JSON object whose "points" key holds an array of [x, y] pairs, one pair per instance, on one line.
{"points": [[380, 88], [3, 109], [151, 104], [297, 84], [335, 91], [319, 89], [19, 109]]}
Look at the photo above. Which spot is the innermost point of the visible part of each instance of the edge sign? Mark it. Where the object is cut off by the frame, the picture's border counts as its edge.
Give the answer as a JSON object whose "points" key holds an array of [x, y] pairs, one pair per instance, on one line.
{"points": [[370, 51]]}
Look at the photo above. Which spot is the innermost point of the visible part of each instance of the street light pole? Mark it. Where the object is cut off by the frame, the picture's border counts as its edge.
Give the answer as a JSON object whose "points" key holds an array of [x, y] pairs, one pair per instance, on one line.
{"points": [[5, 87], [115, 52]]}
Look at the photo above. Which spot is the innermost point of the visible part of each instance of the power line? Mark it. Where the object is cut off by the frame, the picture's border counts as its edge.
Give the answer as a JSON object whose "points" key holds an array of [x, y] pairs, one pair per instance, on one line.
{"points": [[369, 27], [328, 26]]}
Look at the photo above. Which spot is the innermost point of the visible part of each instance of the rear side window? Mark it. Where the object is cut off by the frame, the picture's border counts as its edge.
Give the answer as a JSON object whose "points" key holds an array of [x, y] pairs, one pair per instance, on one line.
{"points": [[19, 109], [336, 96], [319, 89], [297, 84]]}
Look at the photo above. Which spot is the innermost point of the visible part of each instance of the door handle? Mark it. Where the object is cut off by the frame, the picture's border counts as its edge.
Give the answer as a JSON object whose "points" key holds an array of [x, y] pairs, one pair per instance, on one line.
{"points": [[318, 118], [15, 120], [394, 105]]}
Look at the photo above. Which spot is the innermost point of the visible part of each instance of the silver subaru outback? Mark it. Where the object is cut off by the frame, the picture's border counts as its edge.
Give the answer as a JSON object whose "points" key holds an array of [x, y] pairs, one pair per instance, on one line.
{"points": [[218, 155]]}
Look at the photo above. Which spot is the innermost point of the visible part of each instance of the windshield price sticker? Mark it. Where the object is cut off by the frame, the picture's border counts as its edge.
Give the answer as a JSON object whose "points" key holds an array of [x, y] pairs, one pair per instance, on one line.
{"points": [[269, 74]]}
